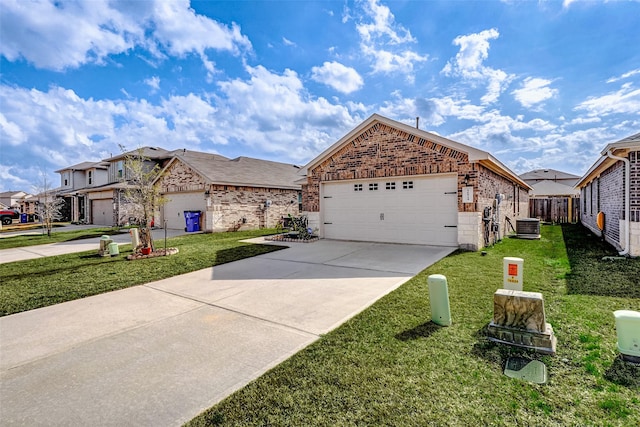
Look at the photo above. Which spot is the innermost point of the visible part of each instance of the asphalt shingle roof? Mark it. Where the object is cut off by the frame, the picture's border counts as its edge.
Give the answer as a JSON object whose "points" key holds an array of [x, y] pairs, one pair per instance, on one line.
{"points": [[552, 188], [242, 170], [84, 166], [550, 174]]}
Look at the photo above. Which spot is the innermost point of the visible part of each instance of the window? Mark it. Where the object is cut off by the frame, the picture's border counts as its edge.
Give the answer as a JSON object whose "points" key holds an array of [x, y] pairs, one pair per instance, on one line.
{"points": [[373, 186], [120, 169], [591, 198], [407, 185], [390, 185], [357, 187], [90, 177], [598, 195]]}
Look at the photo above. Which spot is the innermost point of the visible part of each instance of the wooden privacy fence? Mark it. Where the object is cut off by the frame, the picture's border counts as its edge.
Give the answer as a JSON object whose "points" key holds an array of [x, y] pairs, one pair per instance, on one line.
{"points": [[559, 210]]}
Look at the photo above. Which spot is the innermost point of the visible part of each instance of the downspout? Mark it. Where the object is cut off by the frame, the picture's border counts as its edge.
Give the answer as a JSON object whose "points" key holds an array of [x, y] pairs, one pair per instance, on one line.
{"points": [[627, 172]]}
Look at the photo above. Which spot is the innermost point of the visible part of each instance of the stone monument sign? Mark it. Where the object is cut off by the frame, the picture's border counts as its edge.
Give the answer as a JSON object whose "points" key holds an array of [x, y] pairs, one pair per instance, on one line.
{"points": [[519, 320]]}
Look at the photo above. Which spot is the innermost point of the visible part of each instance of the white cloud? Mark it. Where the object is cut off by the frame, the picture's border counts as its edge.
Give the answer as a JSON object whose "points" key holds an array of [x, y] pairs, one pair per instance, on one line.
{"points": [[60, 35], [269, 116], [583, 120], [624, 101], [341, 78], [624, 76], [383, 25], [387, 62], [153, 83], [288, 42], [474, 49], [346, 13], [468, 64], [534, 91], [10, 132], [179, 29], [434, 111], [384, 42], [497, 81], [274, 113]]}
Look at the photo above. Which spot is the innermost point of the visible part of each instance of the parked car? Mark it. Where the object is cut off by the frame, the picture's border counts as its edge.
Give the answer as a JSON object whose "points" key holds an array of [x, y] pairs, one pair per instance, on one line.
{"points": [[8, 215]]}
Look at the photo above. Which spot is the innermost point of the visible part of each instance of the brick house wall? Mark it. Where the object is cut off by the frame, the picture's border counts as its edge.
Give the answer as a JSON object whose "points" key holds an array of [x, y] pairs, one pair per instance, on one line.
{"points": [[606, 193], [181, 178], [384, 151], [609, 198], [231, 207], [515, 203], [245, 208]]}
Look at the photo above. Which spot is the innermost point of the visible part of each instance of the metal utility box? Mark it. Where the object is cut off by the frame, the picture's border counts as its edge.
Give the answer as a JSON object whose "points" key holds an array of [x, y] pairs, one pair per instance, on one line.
{"points": [[104, 245], [135, 237], [114, 249], [528, 228], [439, 297], [512, 273], [628, 331]]}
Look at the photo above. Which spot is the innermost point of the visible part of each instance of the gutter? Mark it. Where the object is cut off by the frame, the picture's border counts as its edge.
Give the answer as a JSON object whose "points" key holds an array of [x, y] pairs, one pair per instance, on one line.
{"points": [[627, 172]]}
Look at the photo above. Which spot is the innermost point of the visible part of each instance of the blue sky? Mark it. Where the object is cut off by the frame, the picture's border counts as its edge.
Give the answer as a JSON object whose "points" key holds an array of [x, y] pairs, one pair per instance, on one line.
{"points": [[537, 84]]}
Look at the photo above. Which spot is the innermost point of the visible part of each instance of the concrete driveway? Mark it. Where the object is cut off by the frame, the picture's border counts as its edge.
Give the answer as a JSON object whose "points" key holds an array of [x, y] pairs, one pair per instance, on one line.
{"points": [[159, 354]]}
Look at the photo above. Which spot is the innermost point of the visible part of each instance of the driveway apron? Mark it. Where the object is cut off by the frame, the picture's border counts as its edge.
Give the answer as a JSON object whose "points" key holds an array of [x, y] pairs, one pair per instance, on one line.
{"points": [[159, 354]]}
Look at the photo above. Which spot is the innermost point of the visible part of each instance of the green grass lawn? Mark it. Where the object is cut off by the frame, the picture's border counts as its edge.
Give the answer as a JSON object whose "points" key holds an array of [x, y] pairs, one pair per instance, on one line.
{"points": [[25, 285], [391, 366]]}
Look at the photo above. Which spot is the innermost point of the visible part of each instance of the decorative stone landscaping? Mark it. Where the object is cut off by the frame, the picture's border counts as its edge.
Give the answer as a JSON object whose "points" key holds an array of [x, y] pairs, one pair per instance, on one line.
{"points": [[291, 237], [154, 254]]}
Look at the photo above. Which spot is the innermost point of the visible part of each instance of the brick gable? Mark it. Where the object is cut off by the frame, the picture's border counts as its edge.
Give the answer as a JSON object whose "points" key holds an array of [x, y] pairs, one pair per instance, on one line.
{"points": [[179, 178], [383, 151]]}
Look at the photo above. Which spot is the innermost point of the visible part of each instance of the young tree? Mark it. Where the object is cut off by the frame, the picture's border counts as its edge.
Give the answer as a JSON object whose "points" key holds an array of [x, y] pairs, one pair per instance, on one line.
{"points": [[48, 205], [140, 194]]}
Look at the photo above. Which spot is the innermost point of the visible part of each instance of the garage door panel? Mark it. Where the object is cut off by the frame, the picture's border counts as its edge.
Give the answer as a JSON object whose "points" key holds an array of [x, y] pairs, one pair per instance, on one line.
{"points": [[173, 210], [102, 212], [417, 215]]}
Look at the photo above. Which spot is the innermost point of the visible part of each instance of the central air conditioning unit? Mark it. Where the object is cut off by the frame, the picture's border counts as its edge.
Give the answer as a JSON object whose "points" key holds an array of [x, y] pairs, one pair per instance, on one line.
{"points": [[528, 228]]}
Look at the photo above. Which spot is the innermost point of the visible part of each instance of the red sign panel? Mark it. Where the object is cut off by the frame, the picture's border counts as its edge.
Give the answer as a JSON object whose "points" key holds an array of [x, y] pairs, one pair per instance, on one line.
{"points": [[513, 270]]}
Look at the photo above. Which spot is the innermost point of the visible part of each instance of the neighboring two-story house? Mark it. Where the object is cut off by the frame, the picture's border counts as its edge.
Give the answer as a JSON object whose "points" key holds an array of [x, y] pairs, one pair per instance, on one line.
{"points": [[94, 189], [76, 183]]}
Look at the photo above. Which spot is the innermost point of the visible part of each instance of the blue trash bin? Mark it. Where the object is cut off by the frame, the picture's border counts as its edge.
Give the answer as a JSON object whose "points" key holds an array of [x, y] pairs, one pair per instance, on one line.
{"points": [[23, 218], [192, 219]]}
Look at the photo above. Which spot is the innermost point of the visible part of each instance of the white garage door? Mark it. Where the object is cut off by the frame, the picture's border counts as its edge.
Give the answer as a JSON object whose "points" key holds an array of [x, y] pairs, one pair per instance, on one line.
{"points": [[418, 210], [177, 204], [102, 212]]}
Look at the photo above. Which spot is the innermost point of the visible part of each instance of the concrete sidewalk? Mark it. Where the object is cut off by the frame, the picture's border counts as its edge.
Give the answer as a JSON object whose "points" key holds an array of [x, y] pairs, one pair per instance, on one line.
{"points": [[74, 246], [160, 353]]}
